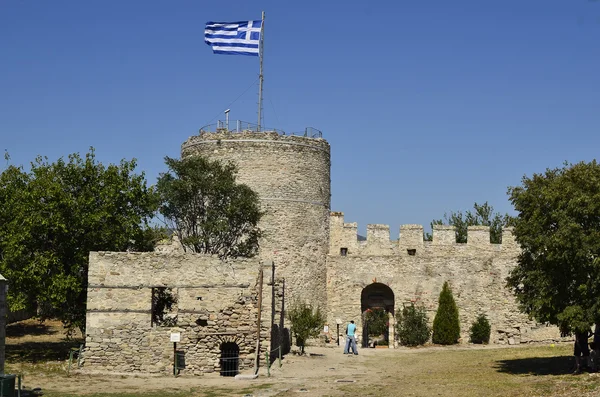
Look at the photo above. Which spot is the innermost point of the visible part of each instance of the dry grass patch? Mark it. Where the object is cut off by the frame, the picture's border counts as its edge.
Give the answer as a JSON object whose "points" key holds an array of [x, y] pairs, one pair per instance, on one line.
{"points": [[522, 371], [38, 348]]}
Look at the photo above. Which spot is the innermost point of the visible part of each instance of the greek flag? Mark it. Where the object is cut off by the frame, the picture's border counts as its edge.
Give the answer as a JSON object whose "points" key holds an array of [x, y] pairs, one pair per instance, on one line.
{"points": [[233, 38]]}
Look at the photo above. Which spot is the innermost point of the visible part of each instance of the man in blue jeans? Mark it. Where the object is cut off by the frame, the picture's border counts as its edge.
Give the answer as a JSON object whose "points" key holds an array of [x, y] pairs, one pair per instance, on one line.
{"points": [[350, 338]]}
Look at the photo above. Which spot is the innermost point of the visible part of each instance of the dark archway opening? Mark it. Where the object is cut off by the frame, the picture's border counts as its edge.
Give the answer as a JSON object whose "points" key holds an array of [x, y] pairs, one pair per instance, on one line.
{"points": [[376, 300], [230, 355]]}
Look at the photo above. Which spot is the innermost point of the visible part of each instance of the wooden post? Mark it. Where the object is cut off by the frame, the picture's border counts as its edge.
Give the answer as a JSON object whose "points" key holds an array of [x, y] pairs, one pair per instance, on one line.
{"points": [[175, 359], [260, 288], [3, 309]]}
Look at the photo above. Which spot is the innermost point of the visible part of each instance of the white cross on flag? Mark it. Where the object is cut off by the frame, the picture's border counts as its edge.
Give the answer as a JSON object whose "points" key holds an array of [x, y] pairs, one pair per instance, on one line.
{"points": [[234, 38]]}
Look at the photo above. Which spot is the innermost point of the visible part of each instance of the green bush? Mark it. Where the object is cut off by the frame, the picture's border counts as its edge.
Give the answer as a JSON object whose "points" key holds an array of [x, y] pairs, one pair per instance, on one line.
{"points": [[307, 322], [446, 326], [480, 330], [411, 326], [377, 321]]}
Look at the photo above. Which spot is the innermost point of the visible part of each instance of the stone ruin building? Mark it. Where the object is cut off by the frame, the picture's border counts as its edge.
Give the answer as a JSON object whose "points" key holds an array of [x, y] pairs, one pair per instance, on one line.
{"points": [[215, 312], [317, 258]]}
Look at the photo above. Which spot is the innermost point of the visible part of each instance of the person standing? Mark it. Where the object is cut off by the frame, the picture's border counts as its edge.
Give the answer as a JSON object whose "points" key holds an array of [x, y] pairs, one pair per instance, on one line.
{"points": [[351, 338], [581, 351]]}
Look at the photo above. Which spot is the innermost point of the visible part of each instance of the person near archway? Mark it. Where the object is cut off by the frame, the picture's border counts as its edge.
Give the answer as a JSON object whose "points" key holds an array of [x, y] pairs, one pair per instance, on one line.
{"points": [[351, 338]]}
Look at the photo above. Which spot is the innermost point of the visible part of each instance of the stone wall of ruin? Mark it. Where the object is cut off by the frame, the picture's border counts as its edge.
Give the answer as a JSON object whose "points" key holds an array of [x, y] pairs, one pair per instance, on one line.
{"points": [[416, 270], [217, 302]]}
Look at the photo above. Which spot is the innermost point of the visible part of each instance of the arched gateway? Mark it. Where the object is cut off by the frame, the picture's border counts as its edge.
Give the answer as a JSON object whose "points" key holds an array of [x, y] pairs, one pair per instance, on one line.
{"points": [[374, 298]]}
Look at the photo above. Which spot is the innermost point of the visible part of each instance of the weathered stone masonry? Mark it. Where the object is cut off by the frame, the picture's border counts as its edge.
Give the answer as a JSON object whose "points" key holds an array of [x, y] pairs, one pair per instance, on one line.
{"points": [[318, 260], [415, 271], [216, 303], [291, 175]]}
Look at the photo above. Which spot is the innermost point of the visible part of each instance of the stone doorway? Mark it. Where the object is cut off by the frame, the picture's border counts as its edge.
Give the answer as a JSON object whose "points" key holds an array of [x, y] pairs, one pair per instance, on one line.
{"points": [[230, 355], [377, 298]]}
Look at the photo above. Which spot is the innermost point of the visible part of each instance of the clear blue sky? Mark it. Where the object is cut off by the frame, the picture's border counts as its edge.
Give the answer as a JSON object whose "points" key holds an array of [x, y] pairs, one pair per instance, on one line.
{"points": [[428, 106]]}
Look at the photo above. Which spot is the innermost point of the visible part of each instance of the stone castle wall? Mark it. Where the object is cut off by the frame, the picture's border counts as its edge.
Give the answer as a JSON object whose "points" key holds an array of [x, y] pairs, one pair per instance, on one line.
{"points": [[217, 302], [416, 270], [291, 175]]}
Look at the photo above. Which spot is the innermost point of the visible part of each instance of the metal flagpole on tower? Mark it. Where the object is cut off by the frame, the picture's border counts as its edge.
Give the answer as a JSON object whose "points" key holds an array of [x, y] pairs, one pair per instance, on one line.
{"points": [[260, 76]]}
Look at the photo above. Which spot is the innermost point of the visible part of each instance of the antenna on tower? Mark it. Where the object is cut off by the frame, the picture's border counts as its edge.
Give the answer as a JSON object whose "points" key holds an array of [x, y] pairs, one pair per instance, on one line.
{"points": [[227, 119]]}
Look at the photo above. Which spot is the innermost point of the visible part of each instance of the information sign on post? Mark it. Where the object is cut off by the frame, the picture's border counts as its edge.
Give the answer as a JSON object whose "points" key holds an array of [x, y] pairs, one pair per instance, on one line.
{"points": [[175, 337]]}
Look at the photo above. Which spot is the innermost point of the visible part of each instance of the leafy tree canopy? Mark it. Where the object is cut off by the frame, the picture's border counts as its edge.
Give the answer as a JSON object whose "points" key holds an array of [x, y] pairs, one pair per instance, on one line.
{"points": [[207, 209], [53, 215], [557, 278], [482, 215]]}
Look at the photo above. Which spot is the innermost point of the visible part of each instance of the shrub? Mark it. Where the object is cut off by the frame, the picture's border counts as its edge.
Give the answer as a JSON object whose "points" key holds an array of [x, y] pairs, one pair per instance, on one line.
{"points": [[411, 327], [480, 330], [377, 321], [446, 326], [307, 322], [163, 301]]}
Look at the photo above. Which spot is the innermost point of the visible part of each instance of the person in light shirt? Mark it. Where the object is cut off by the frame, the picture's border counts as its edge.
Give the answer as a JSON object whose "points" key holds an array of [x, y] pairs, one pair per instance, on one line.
{"points": [[351, 339]]}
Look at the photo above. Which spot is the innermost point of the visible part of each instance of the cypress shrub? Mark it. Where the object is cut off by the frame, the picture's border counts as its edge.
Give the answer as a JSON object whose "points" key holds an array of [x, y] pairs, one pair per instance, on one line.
{"points": [[412, 327], [446, 326], [480, 330]]}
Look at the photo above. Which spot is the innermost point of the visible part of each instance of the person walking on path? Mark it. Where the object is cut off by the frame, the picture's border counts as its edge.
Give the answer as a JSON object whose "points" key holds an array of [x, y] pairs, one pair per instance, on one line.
{"points": [[351, 338]]}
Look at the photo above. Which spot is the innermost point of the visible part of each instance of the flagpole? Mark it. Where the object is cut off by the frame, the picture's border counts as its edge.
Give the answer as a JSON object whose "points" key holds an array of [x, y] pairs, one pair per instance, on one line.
{"points": [[260, 75]]}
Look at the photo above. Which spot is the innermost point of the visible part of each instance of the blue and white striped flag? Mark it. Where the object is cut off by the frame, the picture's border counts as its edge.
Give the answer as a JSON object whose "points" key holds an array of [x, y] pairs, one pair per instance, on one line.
{"points": [[234, 38]]}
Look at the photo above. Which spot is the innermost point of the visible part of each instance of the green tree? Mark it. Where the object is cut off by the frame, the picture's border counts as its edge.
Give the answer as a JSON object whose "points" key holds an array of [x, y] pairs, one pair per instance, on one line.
{"points": [[482, 215], [412, 328], [163, 301], [53, 215], [446, 325], [480, 330], [557, 277], [307, 322], [377, 321], [207, 209]]}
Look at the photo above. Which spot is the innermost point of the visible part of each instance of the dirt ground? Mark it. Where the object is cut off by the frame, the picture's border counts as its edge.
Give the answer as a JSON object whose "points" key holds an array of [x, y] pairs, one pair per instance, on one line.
{"points": [[40, 352], [320, 373], [374, 372]]}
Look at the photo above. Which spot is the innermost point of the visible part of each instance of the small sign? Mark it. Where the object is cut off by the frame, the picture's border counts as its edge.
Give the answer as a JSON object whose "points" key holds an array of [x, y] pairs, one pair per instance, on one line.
{"points": [[326, 329], [175, 336]]}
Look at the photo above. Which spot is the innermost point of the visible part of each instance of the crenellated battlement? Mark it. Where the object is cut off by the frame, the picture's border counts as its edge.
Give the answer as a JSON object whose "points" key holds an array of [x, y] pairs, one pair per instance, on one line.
{"points": [[344, 239]]}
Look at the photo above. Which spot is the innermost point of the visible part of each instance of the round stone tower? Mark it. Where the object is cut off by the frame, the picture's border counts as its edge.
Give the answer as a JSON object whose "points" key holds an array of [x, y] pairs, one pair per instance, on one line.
{"points": [[291, 175]]}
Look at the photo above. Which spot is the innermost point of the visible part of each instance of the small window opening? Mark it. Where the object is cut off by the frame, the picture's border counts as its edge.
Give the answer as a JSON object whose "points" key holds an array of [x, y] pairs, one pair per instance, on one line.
{"points": [[411, 251], [163, 307], [202, 322], [230, 354], [343, 251]]}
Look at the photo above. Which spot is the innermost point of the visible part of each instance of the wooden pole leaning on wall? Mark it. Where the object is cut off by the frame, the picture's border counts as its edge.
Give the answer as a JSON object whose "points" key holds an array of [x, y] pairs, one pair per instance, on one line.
{"points": [[3, 322], [260, 288]]}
